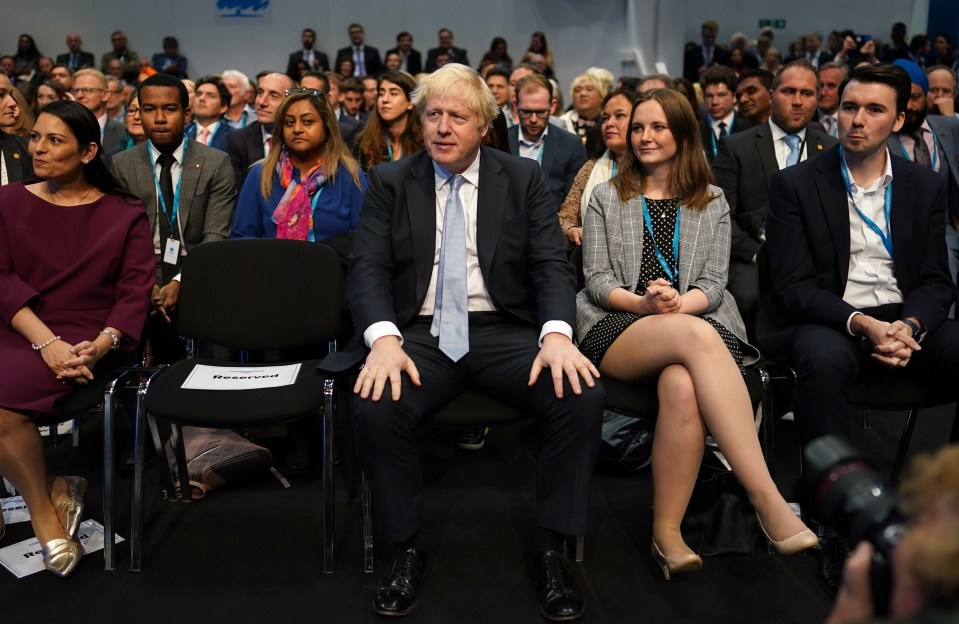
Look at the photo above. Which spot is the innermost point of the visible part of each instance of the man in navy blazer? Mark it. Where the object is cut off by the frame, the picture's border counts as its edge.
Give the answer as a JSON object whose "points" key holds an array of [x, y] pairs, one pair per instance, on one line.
{"points": [[560, 153], [371, 64], [508, 289], [851, 291], [16, 159], [212, 99], [314, 59], [250, 144], [75, 58], [721, 118], [456, 55], [745, 165], [410, 59]]}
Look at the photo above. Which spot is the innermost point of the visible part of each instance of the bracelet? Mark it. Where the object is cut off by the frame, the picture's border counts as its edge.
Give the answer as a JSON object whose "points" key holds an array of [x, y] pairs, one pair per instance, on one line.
{"points": [[113, 336], [46, 344]]}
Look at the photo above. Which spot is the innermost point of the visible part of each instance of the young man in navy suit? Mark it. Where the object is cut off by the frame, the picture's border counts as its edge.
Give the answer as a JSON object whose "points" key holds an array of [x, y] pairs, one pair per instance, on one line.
{"points": [[208, 126]]}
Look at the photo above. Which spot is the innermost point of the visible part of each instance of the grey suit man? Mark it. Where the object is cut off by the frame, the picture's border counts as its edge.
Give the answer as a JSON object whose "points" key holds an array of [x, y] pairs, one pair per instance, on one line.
{"points": [[745, 165], [187, 188], [936, 131]]}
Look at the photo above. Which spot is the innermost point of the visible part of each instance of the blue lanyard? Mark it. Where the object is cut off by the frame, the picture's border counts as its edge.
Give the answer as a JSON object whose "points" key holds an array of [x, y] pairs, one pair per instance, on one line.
{"points": [[171, 218], [613, 175], [389, 147], [883, 236], [712, 135], [311, 236], [935, 150], [672, 271]]}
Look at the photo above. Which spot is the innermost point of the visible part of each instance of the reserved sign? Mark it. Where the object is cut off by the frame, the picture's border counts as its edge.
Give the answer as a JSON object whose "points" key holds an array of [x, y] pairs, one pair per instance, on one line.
{"points": [[204, 377]]}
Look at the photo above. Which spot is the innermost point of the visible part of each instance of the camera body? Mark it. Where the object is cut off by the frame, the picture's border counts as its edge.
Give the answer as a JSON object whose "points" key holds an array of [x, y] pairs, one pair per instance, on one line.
{"points": [[861, 39], [846, 493]]}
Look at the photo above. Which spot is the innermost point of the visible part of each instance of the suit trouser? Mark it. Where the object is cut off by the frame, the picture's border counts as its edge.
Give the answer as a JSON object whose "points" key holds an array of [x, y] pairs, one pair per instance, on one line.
{"points": [[827, 361], [498, 364]]}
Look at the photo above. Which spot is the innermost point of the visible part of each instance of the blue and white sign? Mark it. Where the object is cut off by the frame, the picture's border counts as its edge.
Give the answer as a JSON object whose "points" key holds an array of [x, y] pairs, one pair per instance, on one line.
{"points": [[247, 12]]}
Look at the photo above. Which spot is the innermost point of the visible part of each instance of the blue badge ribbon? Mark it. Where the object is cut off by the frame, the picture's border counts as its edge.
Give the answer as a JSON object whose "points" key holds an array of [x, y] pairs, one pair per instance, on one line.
{"points": [[885, 237], [672, 271], [171, 217]]}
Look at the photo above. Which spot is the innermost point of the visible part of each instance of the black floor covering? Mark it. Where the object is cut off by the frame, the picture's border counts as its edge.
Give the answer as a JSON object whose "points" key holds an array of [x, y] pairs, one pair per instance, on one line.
{"points": [[251, 552]]}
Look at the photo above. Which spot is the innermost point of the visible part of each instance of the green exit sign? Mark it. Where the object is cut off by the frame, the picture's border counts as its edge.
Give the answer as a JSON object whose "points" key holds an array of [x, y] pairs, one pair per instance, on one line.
{"points": [[773, 23]]}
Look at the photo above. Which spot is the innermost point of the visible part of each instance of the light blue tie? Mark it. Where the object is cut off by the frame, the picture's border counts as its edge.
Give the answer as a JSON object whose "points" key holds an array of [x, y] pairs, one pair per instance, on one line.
{"points": [[450, 316], [792, 140]]}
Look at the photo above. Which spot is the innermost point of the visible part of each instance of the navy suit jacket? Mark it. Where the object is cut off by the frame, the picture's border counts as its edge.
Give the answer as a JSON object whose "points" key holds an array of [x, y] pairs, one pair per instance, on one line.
{"points": [[807, 235], [414, 62], [947, 132], [85, 59], [693, 60], [16, 157], [563, 157], [741, 159], [457, 55], [371, 58], [708, 137], [218, 140], [321, 62], [520, 245]]}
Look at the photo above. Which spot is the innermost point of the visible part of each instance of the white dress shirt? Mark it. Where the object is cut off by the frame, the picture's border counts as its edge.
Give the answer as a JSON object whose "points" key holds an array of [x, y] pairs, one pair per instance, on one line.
{"points": [[728, 120], [782, 148]]}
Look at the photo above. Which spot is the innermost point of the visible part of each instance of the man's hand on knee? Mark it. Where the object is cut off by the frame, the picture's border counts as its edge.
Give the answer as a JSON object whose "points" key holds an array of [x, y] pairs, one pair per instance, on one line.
{"points": [[561, 356], [387, 361]]}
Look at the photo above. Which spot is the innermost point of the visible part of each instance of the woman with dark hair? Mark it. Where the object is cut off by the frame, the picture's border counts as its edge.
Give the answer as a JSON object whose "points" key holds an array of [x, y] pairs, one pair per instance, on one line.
{"points": [[27, 56], [538, 45], [655, 259], [47, 92], [497, 56], [345, 66], [393, 129], [76, 271], [614, 125], [309, 187]]}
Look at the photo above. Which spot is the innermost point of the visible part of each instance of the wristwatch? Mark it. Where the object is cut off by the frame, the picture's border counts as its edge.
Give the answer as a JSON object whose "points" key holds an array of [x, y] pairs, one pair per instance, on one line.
{"points": [[917, 331]]}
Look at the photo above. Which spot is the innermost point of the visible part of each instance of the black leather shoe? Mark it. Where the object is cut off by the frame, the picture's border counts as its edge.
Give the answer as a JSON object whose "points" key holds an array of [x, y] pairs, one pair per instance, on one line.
{"points": [[832, 560], [399, 590], [472, 439], [559, 598]]}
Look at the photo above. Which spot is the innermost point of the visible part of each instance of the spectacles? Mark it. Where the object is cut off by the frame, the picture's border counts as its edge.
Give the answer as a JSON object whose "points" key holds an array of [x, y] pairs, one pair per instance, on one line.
{"points": [[526, 114], [304, 91], [133, 112], [84, 90]]}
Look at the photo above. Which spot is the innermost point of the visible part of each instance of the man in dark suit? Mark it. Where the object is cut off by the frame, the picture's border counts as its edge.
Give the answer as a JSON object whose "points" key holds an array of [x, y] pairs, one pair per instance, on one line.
{"points": [[813, 52], [314, 59], [208, 126], [721, 120], [933, 142], [252, 143], [490, 310], [560, 153], [456, 55], [16, 164], [745, 165], [366, 58], [76, 58], [857, 261], [187, 189], [320, 80], [698, 58], [410, 59]]}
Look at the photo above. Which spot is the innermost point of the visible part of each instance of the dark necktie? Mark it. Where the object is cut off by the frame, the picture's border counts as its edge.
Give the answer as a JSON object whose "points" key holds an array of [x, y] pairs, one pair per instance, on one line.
{"points": [[722, 129], [73, 61], [165, 209], [920, 150]]}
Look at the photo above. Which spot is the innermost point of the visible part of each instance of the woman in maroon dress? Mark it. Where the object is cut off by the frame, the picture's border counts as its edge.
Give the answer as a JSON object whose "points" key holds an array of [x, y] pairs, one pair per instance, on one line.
{"points": [[77, 267]]}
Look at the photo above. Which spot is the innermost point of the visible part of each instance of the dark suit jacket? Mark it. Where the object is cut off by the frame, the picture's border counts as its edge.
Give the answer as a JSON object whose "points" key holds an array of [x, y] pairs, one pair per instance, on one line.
{"points": [[115, 137], [519, 242], [740, 124], [218, 140], [245, 147], [693, 60], [207, 191], [563, 157], [321, 62], [744, 167], [457, 55], [414, 62], [371, 58], [947, 131], [807, 234], [17, 158], [86, 59]]}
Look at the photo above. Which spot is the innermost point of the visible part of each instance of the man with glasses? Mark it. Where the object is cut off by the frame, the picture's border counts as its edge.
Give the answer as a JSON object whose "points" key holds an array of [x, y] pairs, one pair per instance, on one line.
{"points": [[560, 153], [90, 89]]}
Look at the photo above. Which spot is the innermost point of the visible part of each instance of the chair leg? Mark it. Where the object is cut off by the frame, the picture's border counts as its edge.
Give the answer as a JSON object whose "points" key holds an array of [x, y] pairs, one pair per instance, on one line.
{"points": [[369, 558], [329, 408], [904, 441], [580, 548], [109, 473], [184, 492], [136, 522], [954, 434], [75, 433], [767, 426]]}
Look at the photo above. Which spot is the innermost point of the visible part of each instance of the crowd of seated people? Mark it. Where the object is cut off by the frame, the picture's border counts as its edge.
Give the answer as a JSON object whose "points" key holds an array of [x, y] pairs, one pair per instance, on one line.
{"points": [[751, 157]]}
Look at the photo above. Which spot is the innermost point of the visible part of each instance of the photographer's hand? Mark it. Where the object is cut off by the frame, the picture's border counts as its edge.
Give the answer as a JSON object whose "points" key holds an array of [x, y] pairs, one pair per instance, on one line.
{"points": [[854, 600]]}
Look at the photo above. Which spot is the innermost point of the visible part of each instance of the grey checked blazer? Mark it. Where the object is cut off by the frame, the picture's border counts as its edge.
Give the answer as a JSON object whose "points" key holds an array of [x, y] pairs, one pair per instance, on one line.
{"points": [[613, 250]]}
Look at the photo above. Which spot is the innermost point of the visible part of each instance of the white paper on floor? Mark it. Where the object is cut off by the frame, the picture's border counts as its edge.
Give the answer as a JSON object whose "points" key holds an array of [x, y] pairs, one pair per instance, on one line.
{"points": [[14, 510], [26, 557]]}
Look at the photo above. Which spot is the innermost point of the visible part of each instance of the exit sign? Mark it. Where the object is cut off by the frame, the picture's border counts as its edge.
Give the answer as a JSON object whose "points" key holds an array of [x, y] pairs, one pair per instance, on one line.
{"points": [[773, 23]]}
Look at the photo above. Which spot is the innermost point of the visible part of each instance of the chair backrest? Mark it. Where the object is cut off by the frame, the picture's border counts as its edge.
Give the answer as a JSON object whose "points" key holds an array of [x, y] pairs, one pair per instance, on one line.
{"points": [[261, 294]]}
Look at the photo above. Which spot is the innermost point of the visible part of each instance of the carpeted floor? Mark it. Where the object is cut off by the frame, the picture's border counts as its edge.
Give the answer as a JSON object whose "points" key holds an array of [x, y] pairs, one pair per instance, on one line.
{"points": [[251, 552]]}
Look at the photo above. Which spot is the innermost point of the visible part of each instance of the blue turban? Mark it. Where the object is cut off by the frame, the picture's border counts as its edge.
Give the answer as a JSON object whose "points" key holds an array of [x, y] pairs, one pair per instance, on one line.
{"points": [[916, 75]]}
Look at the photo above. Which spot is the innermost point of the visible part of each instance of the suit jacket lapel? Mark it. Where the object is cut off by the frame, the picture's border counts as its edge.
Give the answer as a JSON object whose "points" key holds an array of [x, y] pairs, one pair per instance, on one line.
{"points": [[549, 153], [421, 207], [835, 207], [767, 152], [146, 182], [189, 181], [689, 223], [254, 143], [900, 217], [490, 205]]}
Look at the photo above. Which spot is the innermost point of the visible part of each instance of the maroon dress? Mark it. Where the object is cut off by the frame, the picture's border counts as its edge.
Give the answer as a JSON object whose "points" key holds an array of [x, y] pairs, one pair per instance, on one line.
{"points": [[80, 268]]}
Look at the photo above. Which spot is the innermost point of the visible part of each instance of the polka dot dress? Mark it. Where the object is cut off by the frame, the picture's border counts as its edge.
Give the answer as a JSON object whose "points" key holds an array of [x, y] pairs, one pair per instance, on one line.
{"points": [[663, 214]]}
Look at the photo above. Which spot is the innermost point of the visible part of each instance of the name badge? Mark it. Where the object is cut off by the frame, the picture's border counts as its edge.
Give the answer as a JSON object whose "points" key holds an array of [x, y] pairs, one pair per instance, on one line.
{"points": [[171, 251]]}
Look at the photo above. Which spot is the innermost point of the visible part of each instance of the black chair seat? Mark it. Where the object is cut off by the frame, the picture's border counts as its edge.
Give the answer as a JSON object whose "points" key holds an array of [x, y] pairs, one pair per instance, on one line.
{"points": [[219, 408]]}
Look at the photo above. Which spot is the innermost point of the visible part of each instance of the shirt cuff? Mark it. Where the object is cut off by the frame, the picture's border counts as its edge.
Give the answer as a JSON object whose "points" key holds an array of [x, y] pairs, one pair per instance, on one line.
{"points": [[176, 278], [379, 329], [849, 323], [560, 327]]}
